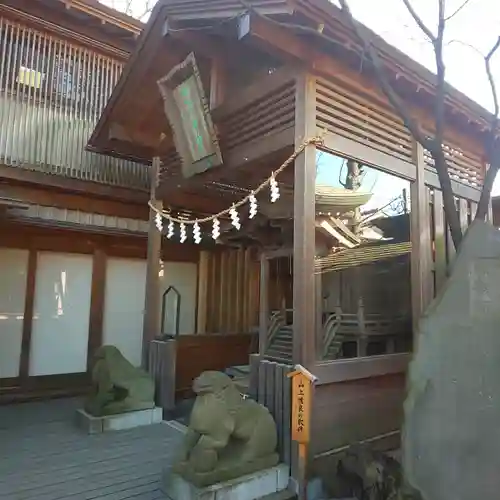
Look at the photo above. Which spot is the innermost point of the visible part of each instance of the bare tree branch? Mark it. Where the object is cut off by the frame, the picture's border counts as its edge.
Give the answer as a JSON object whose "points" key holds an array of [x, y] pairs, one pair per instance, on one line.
{"points": [[428, 33], [147, 11], [487, 62], [433, 145], [451, 16], [492, 148], [389, 92], [128, 6], [440, 75], [465, 44]]}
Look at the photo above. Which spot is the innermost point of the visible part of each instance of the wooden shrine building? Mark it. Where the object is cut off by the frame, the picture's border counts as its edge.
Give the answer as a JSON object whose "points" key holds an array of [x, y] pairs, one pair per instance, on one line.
{"points": [[356, 244]]}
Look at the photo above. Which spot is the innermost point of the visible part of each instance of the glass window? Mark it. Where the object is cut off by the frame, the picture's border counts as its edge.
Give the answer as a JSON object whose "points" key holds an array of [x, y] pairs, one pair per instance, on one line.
{"points": [[363, 258], [124, 306]]}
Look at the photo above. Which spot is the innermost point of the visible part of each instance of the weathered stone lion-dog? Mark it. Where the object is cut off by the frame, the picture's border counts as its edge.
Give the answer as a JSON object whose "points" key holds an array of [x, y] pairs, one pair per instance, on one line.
{"points": [[228, 436]]}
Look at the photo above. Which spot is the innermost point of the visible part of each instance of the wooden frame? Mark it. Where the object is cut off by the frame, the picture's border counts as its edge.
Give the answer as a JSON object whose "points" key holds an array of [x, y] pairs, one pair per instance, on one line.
{"points": [[304, 289], [346, 370], [187, 74]]}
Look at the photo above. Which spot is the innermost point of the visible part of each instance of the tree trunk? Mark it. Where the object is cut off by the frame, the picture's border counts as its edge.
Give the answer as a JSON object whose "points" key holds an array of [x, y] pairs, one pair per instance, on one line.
{"points": [[450, 208]]}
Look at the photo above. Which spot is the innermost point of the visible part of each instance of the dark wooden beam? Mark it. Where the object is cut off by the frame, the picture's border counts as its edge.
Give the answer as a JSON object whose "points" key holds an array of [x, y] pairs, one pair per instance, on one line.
{"points": [[27, 176], [178, 198], [244, 157], [65, 25], [195, 41], [40, 195], [258, 149], [345, 370], [272, 38]]}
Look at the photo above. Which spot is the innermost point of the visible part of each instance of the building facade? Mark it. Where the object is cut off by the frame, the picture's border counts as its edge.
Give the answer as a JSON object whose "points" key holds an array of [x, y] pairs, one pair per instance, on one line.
{"points": [[73, 223]]}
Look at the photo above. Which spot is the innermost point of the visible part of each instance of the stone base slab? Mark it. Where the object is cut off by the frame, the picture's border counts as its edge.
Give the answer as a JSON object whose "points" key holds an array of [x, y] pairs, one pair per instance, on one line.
{"points": [[249, 487], [96, 425]]}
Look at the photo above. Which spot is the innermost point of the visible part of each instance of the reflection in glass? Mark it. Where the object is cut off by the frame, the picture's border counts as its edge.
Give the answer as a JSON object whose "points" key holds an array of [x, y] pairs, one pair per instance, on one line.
{"points": [[170, 316], [362, 258]]}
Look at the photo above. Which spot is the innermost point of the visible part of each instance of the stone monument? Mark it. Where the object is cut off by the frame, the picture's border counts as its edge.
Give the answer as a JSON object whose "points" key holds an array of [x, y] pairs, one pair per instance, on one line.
{"points": [[118, 388], [228, 437], [451, 439]]}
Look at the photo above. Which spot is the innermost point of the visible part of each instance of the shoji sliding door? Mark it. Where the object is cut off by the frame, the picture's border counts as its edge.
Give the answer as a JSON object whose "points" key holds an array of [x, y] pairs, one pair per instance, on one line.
{"points": [[60, 329]]}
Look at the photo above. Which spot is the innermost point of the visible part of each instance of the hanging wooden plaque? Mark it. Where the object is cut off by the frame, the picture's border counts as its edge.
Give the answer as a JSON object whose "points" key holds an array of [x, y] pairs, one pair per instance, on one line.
{"points": [[189, 116]]}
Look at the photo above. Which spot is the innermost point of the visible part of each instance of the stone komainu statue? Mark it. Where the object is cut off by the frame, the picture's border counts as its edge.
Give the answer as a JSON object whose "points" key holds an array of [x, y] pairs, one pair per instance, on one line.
{"points": [[228, 436], [118, 386]]}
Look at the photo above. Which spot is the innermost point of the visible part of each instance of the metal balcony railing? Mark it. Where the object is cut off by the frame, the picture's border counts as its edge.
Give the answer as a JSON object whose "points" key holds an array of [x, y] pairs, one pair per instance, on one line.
{"points": [[51, 95]]}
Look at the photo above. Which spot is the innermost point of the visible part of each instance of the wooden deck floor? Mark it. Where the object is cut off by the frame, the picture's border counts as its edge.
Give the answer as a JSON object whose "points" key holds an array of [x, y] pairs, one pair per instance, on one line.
{"points": [[44, 457]]}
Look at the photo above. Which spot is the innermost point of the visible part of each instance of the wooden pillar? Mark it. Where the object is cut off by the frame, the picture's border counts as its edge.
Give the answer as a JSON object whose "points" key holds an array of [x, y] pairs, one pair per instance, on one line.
{"points": [[152, 304], [97, 304], [318, 280], [201, 316], [304, 249], [440, 261], [29, 306], [263, 303], [421, 275], [304, 246]]}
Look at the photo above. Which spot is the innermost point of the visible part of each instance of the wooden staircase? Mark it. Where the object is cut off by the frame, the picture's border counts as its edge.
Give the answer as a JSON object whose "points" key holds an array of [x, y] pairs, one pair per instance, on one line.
{"points": [[339, 328], [280, 345]]}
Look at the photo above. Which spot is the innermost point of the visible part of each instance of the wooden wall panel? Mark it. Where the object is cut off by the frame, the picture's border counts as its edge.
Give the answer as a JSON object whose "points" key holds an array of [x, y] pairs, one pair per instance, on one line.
{"points": [[347, 412], [232, 297], [198, 353], [356, 116]]}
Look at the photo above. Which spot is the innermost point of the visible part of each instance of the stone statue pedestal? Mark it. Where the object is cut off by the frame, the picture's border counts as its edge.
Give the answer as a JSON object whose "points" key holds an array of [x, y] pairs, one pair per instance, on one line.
{"points": [[118, 422], [248, 487]]}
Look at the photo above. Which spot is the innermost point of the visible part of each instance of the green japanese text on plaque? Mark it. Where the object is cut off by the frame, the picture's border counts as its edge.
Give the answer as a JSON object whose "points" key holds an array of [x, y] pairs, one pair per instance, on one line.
{"points": [[190, 119]]}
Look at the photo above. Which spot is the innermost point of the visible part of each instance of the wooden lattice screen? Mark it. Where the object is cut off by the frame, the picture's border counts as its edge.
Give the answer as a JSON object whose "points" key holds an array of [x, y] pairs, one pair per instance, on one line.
{"points": [[355, 117]]}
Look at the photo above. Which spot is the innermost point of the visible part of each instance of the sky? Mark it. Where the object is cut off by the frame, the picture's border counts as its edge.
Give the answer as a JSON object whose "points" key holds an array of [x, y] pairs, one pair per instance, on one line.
{"points": [[470, 33]]}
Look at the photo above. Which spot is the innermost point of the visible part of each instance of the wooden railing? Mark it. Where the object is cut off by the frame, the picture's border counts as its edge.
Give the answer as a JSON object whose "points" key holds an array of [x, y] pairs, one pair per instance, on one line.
{"points": [[362, 327], [340, 327], [52, 93]]}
